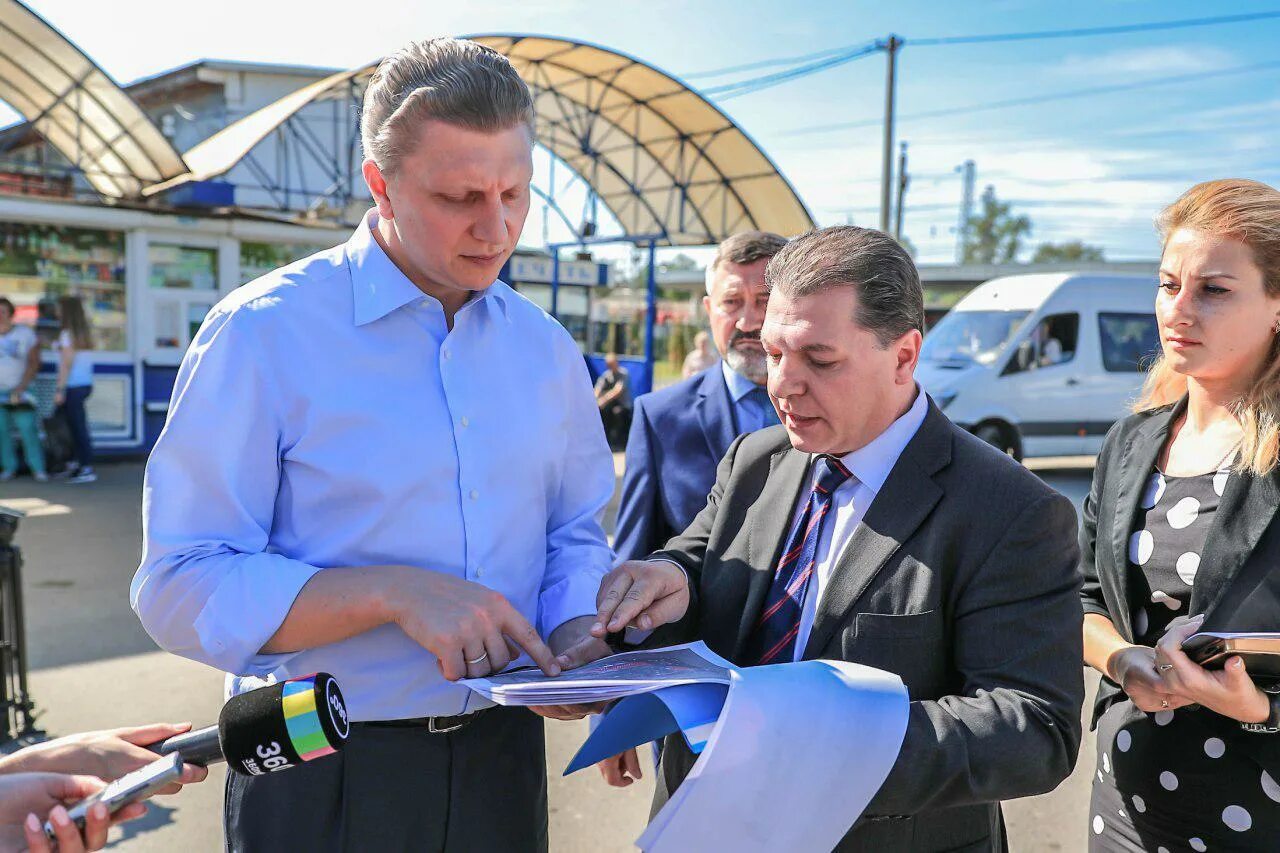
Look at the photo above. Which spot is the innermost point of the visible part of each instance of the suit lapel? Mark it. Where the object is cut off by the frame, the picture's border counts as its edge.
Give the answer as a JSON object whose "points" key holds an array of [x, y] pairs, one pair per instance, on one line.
{"points": [[1137, 461], [715, 412], [1249, 505], [900, 507], [768, 522]]}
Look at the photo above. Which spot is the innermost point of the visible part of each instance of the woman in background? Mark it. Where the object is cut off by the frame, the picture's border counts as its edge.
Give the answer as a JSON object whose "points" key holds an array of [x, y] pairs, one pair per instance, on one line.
{"points": [[75, 383], [1180, 535]]}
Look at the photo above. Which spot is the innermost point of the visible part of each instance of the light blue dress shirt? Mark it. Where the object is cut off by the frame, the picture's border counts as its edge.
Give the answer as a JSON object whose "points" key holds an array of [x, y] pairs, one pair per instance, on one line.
{"points": [[325, 416], [748, 410]]}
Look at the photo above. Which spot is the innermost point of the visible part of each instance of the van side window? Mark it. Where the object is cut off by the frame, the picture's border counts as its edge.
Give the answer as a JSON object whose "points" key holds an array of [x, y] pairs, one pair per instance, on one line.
{"points": [[1130, 342], [1052, 342]]}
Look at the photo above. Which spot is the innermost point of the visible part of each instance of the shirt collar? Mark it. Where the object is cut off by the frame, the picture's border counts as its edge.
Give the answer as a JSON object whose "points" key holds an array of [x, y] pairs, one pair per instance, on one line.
{"points": [[872, 463], [378, 285], [739, 385]]}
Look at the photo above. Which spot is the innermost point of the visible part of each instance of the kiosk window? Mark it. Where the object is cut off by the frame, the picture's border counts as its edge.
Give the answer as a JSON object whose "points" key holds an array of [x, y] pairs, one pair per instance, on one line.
{"points": [[1130, 342], [1052, 342]]}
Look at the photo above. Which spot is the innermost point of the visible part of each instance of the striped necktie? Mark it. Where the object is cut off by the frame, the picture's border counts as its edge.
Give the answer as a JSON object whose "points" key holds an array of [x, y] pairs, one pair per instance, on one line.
{"points": [[773, 639]]}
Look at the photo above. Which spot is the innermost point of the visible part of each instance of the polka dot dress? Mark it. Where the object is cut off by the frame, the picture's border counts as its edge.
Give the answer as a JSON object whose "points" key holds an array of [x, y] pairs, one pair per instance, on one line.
{"points": [[1167, 781]]}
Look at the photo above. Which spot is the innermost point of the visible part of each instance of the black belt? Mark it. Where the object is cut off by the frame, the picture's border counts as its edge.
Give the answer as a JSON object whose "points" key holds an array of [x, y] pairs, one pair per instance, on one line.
{"points": [[434, 725]]}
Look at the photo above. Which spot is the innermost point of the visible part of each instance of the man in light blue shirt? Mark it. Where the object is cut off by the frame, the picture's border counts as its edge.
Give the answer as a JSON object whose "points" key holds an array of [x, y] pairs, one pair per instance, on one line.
{"points": [[384, 464]]}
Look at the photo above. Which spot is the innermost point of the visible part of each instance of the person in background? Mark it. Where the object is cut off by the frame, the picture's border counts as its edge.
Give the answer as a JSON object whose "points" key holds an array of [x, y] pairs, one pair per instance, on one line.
{"points": [[75, 383], [703, 356], [613, 396], [19, 364], [680, 433], [1180, 536]]}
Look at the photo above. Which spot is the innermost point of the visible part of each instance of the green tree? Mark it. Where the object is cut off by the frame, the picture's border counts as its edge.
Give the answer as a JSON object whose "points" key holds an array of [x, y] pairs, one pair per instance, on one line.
{"points": [[995, 234], [1071, 252]]}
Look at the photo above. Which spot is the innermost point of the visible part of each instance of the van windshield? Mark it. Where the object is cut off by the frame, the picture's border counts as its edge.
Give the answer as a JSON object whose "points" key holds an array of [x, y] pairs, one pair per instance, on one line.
{"points": [[968, 337]]}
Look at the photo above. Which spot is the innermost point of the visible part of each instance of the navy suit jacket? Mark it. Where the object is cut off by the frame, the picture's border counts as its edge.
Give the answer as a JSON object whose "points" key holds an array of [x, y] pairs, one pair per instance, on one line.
{"points": [[678, 436]]}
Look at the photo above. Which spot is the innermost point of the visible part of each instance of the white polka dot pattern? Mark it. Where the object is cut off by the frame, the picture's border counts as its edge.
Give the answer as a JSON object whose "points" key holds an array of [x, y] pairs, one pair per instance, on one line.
{"points": [[1155, 488], [1168, 781], [1162, 597], [1184, 513], [1220, 481], [1124, 740], [1164, 718], [1141, 544], [1237, 818], [1139, 804], [1215, 748], [1197, 845], [1270, 787], [1188, 565], [1098, 825]]}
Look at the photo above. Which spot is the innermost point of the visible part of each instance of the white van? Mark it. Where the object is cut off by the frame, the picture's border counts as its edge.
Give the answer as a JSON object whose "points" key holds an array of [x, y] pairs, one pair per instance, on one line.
{"points": [[1043, 365]]}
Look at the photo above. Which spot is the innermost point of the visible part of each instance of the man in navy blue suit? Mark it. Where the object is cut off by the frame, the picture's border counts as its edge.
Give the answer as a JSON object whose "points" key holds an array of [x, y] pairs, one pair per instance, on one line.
{"points": [[679, 434]]}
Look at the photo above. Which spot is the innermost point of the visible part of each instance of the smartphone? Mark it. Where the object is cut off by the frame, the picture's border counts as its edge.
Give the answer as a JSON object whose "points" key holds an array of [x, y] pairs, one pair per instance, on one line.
{"points": [[129, 788], [1261, 653]]}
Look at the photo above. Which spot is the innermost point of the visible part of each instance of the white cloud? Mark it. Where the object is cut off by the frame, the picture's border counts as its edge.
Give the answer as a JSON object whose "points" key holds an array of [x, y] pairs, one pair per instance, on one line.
{"points": [[1144, 62]]}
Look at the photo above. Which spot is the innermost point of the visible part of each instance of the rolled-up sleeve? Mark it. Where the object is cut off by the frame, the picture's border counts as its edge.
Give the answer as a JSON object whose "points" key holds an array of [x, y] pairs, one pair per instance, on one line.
{"points": [[578, 555], [208, 587]]}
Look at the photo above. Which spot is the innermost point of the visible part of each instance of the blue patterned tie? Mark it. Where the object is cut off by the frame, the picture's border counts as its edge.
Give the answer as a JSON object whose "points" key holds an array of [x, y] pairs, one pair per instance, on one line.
{"points": [[773, 640], [768, 415]]}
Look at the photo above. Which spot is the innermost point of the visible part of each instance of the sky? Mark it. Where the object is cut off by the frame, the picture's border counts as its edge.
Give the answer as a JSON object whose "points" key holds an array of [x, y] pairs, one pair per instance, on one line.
{"points": [[1096, 168]]}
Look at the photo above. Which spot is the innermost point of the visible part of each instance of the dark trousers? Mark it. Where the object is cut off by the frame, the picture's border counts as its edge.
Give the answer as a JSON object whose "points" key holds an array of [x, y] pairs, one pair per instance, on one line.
{"points": [[72, 410], [481, 788]]}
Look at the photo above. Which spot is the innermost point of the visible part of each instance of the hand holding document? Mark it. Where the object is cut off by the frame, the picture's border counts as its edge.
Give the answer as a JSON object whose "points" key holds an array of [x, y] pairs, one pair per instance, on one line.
{"points": [[789, 755], [607, 679]]}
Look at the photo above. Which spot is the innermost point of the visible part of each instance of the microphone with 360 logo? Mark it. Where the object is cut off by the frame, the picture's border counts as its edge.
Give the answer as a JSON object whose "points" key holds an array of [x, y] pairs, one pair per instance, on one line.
{"points": [[273, 728]]}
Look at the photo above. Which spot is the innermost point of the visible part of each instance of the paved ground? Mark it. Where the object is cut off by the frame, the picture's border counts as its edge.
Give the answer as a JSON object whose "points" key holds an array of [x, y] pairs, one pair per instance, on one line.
{"points": [[94, 667]]}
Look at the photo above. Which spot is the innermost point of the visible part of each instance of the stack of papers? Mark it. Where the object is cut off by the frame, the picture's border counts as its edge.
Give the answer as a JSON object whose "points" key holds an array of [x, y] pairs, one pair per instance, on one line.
{"points": [[607, 679]]}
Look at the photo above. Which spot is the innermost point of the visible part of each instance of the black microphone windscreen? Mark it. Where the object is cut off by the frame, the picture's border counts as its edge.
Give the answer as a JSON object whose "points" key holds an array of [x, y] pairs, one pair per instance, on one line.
{"points": [[282, 725]]}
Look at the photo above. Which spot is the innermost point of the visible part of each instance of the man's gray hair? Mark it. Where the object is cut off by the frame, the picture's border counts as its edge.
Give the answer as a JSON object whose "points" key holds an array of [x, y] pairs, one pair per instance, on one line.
{"points": [[745, 248], [454, 80], [890, 298]]}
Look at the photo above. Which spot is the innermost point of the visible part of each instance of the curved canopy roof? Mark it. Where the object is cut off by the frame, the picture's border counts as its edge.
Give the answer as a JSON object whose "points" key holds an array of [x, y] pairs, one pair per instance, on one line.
{"points": [[78, 108], [665, 161]]}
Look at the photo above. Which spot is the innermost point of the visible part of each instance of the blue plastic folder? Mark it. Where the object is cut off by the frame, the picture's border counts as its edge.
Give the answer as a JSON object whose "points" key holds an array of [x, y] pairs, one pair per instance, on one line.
{"points": [[691, 709]]}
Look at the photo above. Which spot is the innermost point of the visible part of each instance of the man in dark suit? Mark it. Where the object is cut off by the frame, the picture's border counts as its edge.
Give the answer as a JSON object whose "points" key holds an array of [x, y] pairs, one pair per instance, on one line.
{"points": [[869, 528], [680, 433]]}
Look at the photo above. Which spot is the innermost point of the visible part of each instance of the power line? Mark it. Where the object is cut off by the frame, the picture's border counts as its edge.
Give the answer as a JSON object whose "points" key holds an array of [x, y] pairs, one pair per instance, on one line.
{"points": [[816, 59], [1040, 99], [1083, 32], [755, 84]]}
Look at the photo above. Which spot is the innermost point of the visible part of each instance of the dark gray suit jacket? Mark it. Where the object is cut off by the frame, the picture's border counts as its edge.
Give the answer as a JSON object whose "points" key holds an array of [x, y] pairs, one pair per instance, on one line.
{"points": [[963, 579]]}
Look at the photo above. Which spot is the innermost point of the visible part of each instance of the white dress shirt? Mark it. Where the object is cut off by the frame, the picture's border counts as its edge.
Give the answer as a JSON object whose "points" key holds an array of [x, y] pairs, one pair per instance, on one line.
{"points": [[326, 416], [870, 466]]}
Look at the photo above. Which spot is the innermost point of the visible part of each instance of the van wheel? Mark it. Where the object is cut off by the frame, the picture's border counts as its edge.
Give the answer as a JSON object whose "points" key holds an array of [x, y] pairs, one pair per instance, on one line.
{"points": [[1000, 437]]}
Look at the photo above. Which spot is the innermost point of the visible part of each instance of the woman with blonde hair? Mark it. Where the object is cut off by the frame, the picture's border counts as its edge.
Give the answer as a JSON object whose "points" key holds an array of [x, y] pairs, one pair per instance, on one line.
{"points": [[75, 383], [1179, 536]]}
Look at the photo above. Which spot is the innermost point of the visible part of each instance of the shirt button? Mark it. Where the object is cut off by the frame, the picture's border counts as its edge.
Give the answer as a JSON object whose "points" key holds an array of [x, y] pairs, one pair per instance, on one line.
{"points": [[445, 353], [474, 494], [479, 572], [466, 421]]}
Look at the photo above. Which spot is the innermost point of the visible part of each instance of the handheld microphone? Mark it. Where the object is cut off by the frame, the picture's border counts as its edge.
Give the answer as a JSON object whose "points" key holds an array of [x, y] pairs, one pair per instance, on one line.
{"points": [[273, 728]]}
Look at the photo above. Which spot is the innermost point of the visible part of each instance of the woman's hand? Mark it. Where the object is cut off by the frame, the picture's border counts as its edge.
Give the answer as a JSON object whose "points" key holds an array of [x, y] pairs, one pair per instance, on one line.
{"points": [[1134, 669], [1229, 691]]}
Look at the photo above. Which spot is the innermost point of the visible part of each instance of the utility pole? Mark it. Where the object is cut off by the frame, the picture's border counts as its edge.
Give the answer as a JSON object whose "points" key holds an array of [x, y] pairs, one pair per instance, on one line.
{"points": [[966, 209], [903, 181], [886, 178]]}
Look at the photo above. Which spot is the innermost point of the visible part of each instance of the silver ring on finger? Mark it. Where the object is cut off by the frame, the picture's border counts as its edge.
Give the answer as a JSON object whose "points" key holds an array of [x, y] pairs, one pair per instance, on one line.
{"points": [[473, 661], [1164, 703], [1164, 667]]}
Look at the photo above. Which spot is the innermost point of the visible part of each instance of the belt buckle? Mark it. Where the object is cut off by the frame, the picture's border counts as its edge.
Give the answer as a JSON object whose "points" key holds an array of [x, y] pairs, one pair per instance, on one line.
{"points": [[437, 730]]}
